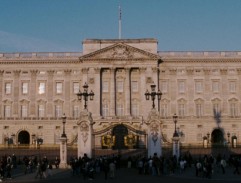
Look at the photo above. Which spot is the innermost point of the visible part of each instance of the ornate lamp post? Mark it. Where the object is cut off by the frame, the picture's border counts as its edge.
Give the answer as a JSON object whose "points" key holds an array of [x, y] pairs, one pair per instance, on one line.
{"points": [[208, 135], [63, 146], [228, 134], [64, 121], [175, 138], [85, 95], [175, 134], [153, 95], [85, 124]]}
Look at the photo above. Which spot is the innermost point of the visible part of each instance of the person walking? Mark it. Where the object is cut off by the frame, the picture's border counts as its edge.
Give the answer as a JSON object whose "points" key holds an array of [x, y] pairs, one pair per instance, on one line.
{"points": [[8, 170], [106, 168], [223, 165], [236, 166], [112, 168], [39, 172], [56, 162]]}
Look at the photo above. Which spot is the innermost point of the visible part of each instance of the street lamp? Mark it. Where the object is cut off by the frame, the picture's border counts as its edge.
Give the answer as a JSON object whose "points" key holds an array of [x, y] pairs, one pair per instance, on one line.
{"points": [[153, 95], [175, 122], [228, 134], [208, 135], [85, 95], [64, 121]]}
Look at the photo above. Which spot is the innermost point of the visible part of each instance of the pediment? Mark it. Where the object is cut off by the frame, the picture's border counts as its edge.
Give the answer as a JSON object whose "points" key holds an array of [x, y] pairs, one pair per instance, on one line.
{"points": [[120, 51]]}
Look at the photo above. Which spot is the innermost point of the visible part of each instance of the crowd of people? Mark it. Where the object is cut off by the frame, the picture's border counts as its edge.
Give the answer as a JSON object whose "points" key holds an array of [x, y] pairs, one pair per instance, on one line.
{"points": [[29, 164], [86, 167], [203, 166], [89, 166]]}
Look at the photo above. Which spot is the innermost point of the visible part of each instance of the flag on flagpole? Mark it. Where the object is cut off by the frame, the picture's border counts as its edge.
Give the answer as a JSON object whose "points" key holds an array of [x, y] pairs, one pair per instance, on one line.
{"points": [[119, 12]]}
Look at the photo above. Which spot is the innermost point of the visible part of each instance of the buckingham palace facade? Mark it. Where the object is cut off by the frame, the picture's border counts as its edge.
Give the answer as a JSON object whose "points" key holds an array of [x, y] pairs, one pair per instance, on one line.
{"points": [[202, 88]]}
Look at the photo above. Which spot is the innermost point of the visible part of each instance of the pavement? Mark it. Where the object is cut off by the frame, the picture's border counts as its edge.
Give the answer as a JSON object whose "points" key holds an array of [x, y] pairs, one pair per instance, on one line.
{"points": [[125, 175]]}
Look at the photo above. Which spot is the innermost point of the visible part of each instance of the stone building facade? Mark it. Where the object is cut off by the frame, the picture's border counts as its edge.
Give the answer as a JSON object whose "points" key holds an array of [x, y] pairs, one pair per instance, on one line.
{"points": [[202, 88]]}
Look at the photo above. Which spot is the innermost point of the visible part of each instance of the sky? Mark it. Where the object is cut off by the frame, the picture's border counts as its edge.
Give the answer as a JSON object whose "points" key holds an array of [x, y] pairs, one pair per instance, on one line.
{"points": [[62, 25]]}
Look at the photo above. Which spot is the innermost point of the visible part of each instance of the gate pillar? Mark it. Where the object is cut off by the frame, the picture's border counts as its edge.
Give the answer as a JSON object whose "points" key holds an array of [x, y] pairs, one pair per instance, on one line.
{"points": [[85, 131], [154, 133], [63, 152]]}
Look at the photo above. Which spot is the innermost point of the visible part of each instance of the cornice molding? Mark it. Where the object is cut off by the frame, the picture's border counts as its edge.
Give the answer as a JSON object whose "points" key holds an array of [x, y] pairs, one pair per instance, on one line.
{"points": [[210, 59]]}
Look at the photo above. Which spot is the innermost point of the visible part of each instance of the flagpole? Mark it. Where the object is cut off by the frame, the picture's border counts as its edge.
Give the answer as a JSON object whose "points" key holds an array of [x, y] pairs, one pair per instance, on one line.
{"points": [[119, 22]]}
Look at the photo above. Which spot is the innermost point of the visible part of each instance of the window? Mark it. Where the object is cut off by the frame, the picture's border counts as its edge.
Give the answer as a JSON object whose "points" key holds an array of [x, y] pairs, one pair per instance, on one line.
{"points": [[7, 111], [24, 111], [216, 107], [59, 87], [76, 87], [8, 88], [105, 110], [164, 110], [105, 87], [24, 88], [215, 86], [134, 86], [181, 86], [41, 88], [199, 137], [164, 86], [58, 111], [199, 110], [120, 85], [135, 109], [198, 86], [120, 110], [233, 110], [76, 111], [181, 110], [232, 86], [41, 111]]}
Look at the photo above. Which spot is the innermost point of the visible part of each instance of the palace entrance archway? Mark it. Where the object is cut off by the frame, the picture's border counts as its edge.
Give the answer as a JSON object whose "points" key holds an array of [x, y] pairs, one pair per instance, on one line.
{"points": [[23, 138], [217, 138], [120, 131]]}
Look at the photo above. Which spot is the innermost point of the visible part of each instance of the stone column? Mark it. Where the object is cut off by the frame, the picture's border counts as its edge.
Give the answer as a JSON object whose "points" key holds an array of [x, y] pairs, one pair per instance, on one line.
{"points": [[176, 146], [173, 89], [97, 90], [127, 92], [224, 89], [32, 92], [50, 92], [1, 89], [63, 152], [16, 93], [112, 93], [142, 90], [85, 131], [190, 91], [67, 107], [156, 82], [154, 133], [85, 75]]}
